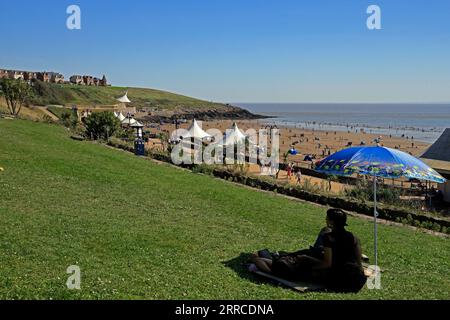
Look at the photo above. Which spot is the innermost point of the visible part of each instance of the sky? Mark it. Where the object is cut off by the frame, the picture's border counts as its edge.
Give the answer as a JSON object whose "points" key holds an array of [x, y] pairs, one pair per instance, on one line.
{"points": [[241, 50]]}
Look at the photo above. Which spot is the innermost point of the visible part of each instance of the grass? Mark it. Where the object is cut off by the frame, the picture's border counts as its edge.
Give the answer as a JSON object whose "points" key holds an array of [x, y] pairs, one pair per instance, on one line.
{"points": [[143, 230], [66, 94]]}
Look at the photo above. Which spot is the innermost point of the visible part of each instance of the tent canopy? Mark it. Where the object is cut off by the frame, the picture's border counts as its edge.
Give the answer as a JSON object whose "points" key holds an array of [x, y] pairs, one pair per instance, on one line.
{"points": [[196, 132], [234, 136], [124, 98], [131, 122], [119, 116]]}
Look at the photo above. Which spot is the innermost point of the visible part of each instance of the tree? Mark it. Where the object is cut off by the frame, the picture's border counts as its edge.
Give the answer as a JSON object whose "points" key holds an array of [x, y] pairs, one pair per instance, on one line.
{"points": [[16, 94], [101, 125], [69, 119]]}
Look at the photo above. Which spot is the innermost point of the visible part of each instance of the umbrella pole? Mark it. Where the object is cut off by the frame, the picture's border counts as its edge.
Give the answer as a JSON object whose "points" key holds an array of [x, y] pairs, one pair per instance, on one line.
{"points": [[375, 215]]}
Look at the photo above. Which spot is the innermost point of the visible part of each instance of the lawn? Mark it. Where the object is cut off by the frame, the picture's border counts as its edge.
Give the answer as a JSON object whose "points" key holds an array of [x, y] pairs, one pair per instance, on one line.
{"points": [[140, 230]]}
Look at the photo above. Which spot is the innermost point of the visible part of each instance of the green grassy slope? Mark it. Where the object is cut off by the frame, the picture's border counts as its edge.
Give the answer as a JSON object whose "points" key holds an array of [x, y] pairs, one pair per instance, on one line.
{"points": [[65, 94], [144, 230]]}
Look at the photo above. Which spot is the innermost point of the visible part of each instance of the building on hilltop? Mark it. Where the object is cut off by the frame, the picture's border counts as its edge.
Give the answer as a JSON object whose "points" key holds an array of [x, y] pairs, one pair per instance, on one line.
{"points": [[88, 80], [16, 75], [4, 74], [29, 76], [56, 77], [43, 76], [53, 77], [76, 79], [103, 82]]}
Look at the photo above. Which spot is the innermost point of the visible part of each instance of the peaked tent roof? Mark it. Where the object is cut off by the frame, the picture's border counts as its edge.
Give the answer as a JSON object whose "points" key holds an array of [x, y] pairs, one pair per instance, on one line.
{"points": [[121, 117], [234, 136], [124, 98], [438, 155], [129, 121], [196, 132]]}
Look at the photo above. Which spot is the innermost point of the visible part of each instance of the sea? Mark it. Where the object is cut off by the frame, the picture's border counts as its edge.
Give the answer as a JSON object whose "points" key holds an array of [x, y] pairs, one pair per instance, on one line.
{"points": [[423, 122]]}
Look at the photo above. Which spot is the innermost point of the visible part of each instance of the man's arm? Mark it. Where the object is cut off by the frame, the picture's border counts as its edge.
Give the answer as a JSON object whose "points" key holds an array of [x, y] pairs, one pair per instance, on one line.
{"points": [[326, 262], [316, 263]]}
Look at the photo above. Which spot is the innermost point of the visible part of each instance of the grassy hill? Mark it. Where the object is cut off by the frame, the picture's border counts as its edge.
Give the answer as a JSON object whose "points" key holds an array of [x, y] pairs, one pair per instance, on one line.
{"points": [[66, 94], [143, 230]]}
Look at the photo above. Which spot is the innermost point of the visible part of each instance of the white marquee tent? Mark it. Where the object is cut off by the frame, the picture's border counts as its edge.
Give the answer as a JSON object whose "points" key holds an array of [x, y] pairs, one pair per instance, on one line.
{"points": [[119, 116], [124, 98], [234, 136], [130, 122], [196, 132]]}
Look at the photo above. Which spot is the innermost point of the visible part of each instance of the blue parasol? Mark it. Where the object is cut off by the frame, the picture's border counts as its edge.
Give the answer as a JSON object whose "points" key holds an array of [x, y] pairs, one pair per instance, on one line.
{"points": [[377, 162]]}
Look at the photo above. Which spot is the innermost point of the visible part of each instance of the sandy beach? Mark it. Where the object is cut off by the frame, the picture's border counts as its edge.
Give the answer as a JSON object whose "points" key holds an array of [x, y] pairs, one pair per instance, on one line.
{"points": [[315, 142], [307, 142]]}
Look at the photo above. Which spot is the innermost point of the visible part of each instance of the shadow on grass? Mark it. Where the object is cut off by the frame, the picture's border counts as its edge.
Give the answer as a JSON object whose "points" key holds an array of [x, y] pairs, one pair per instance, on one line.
{"points": [[240, 266]]}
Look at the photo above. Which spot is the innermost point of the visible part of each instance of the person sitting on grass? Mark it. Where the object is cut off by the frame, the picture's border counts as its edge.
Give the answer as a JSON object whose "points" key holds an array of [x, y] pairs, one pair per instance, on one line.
{"points": [[338, 267]]}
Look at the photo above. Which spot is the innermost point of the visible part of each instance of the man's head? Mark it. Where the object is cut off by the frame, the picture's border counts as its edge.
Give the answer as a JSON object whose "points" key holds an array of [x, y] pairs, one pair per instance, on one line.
{"points": [[336, 218]]}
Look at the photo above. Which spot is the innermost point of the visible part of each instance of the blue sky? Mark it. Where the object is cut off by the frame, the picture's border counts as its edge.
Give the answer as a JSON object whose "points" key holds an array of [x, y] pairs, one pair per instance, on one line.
{"points": [[241, 50]]}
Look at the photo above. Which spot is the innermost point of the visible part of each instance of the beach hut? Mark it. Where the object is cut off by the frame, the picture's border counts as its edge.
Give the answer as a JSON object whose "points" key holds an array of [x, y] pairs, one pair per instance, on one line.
{"points": [[234, 136], [437, 156]]}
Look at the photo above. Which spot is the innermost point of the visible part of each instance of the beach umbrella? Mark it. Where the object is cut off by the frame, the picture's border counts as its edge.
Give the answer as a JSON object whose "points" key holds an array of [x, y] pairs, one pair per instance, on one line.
{"points": [[293, 152], [377, 162]]}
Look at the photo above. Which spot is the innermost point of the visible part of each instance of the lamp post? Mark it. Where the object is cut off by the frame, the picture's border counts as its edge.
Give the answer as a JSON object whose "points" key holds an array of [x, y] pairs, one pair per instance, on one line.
{"points": [[139, 148]]}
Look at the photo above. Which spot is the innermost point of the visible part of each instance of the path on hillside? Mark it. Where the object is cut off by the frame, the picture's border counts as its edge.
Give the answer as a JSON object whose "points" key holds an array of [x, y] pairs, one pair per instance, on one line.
{"points": [[45, 111]]}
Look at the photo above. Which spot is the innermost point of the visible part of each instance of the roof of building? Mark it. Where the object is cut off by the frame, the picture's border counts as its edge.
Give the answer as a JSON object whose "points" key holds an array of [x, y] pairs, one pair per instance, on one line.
{"points": [[438, 155]]}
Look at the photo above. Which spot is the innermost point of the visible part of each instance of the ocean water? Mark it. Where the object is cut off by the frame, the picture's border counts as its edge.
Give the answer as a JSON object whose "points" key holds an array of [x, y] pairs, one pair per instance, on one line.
{"points": [[424, 122]]}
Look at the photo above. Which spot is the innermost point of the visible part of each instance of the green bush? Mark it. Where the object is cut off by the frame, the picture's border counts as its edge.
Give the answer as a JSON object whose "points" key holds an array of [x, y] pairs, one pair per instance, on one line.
{"points": [[364, 191], [101, 125], [203, 168], [69, 119]]}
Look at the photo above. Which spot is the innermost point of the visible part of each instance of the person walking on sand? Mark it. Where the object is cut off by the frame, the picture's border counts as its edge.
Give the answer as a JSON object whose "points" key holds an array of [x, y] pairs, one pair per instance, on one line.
{"points": [[289, 171], [298, 175]]}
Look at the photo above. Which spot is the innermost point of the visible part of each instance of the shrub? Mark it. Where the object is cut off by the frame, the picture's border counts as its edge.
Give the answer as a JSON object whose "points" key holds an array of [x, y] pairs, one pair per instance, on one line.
{"points": [[101, 125], [203, 168], [69, 119], [307, 185], [364, 191]]}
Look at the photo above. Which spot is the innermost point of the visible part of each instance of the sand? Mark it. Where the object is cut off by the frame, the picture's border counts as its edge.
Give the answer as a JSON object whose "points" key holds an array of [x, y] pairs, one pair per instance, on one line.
{"points": [[308, 141], [315, 142]]}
